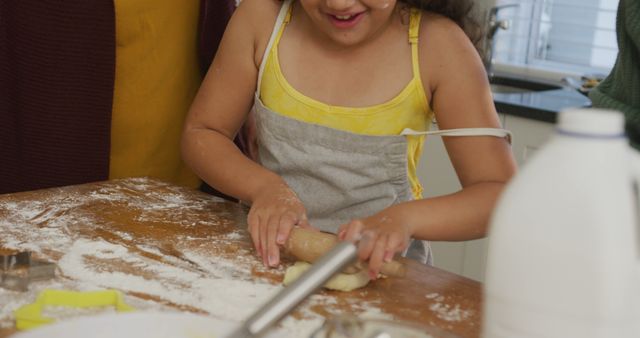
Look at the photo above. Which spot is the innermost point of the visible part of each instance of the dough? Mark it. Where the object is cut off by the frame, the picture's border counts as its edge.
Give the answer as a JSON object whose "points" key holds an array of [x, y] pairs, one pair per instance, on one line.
{"points": [[340, 282]]}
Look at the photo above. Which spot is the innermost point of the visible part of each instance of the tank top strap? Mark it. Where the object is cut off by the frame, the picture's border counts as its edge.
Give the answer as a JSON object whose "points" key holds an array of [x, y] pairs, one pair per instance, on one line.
{"points": [[287, 17], [414, 25], [414, 30], [283, 16]]}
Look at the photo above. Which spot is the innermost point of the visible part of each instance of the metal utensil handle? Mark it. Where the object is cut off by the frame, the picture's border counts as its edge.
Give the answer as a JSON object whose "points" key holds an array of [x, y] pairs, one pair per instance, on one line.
{"points": [[343, 254]]}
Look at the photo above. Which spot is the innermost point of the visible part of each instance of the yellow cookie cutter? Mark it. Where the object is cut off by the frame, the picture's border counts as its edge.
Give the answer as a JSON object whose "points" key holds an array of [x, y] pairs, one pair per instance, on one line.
{"points": [[30, 316]]}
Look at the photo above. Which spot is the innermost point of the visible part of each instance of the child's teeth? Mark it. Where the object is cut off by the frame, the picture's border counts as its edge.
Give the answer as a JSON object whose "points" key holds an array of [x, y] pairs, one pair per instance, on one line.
{"points": [[343, 17]]}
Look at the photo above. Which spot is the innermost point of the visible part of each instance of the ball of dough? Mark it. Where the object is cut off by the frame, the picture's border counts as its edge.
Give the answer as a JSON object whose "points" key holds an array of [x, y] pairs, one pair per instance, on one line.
{"points": [[340, 282]]}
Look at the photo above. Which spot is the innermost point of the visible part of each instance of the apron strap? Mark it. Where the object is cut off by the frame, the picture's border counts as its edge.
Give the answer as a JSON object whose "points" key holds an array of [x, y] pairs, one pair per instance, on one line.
{"points": [[284, 10], [497, 132]]}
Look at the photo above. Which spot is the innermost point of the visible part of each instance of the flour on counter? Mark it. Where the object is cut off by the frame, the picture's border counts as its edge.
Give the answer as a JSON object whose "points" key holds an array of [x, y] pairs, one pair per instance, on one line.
{"points": [[195, 278], [434, 295], [52, 213], [64, 312], [233, 235], [450, 313], [214, 289], [217, 289]]}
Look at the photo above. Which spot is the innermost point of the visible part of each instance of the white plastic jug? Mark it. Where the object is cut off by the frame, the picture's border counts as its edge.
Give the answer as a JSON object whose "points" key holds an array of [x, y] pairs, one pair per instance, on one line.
{"points": [[563, 255]]}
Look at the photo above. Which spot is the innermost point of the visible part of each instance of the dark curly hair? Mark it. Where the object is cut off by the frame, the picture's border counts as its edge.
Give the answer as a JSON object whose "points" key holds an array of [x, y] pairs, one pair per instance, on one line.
{"points": [[460, 11]]}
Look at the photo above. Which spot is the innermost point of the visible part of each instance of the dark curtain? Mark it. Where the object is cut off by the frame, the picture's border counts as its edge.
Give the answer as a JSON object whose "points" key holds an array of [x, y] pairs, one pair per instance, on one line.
{"points": [[214, 16], [57, 65]]}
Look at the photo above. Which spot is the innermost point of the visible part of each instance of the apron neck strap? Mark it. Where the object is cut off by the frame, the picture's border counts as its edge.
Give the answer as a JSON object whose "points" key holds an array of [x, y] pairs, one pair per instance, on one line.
{"points": [[497, 132]]}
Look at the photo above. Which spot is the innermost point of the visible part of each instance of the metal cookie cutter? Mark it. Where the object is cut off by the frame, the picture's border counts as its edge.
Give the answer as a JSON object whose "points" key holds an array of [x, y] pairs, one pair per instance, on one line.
{"points": [[18, 270]]}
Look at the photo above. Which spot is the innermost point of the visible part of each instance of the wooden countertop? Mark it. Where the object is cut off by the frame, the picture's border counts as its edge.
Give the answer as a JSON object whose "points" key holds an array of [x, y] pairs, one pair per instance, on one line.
{"points": [[166, 246]]}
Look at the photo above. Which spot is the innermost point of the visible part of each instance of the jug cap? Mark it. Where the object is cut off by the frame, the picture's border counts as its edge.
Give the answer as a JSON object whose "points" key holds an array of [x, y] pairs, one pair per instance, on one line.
{"points": [[591, 122]]}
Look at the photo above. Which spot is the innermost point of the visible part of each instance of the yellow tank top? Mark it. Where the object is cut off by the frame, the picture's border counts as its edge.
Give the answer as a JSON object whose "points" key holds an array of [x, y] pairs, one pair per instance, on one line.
{"points": [[157, 76], [409, 109]]}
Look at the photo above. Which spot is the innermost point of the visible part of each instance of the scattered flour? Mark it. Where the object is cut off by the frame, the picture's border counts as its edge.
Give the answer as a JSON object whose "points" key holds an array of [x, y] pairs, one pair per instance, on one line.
{"points": [[444, 311], [233, 235], [64, 312], [222, 285], [435, 296]]}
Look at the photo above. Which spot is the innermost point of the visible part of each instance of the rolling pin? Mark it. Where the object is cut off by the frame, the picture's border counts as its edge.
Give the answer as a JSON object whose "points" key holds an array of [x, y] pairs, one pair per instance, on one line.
{"points": [[309, 245]]}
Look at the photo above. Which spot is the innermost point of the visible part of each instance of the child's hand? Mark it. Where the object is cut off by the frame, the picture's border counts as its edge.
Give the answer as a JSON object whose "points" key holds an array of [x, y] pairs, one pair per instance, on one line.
{"points": [[381, 237], [273, 213]]}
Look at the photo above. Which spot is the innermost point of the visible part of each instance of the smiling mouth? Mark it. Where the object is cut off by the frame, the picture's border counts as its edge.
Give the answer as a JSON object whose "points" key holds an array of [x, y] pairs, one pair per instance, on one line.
{"points": [[344, 17], [343, 20]]}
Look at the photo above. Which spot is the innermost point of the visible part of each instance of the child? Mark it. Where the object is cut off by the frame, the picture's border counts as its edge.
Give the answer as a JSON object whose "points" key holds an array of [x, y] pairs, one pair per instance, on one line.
{"points": [[342, 92]]}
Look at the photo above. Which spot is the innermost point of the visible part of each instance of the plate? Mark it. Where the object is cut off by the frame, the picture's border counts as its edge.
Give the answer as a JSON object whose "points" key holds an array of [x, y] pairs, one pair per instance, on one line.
{"points": [[136, 325]]}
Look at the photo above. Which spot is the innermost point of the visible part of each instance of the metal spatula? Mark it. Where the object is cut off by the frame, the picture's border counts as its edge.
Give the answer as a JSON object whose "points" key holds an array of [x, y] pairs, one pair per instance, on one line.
{"points": [[343, 254]]}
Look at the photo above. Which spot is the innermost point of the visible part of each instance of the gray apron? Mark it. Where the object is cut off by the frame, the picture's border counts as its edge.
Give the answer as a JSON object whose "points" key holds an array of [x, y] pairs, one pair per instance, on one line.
{"points": [[339, 175]]}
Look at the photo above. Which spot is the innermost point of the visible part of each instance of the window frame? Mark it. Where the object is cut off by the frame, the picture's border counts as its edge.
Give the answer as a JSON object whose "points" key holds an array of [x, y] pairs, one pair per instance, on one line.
{"points": [[532, 61]]}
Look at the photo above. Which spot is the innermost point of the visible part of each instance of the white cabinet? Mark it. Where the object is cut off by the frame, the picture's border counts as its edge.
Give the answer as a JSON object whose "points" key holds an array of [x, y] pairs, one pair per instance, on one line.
{"points": [[528, 136], [438, 178]]}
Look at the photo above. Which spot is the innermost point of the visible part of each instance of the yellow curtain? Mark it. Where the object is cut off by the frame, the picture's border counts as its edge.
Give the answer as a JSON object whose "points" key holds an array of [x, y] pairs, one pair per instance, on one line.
{"points": [[156, 79]]}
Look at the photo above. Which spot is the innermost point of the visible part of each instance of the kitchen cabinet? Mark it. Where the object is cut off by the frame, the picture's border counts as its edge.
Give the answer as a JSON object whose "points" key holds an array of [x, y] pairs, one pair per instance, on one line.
{"points": [[528, 136]]}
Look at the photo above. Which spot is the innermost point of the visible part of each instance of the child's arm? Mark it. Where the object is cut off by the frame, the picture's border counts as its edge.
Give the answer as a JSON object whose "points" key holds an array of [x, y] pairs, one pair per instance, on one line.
{"points": [[219, 110], [455, 81]]}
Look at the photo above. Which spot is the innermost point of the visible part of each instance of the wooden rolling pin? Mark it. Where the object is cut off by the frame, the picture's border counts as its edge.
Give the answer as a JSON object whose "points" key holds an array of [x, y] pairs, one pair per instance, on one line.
{"points": [[308, 245]]}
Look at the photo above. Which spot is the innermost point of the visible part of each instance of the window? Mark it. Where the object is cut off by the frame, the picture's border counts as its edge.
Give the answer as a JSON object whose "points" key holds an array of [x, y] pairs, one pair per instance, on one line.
{"points": [[560, 35]]}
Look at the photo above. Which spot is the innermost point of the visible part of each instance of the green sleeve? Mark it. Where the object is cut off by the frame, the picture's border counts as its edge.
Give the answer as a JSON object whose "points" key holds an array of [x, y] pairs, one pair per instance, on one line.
{"points": [[621, 89]]}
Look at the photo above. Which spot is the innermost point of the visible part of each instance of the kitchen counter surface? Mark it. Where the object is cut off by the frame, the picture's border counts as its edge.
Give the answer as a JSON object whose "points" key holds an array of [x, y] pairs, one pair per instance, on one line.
{"points": [[541, 106], [171, 248]]}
